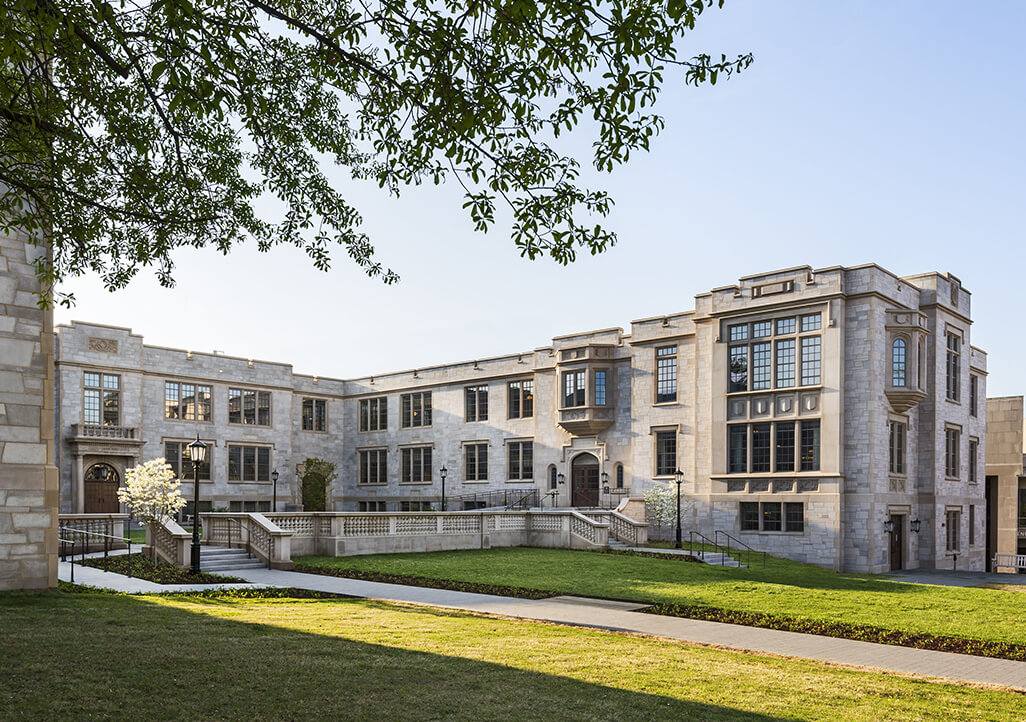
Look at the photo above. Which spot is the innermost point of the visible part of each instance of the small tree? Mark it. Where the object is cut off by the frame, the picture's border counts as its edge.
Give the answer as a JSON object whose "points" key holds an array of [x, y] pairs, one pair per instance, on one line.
{"points": [[151, 491], [317, 476], [661, 504]]}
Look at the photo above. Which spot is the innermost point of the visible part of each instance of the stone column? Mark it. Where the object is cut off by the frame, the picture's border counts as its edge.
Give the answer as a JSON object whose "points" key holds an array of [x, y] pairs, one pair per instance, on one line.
{"points": [[28, 476]]}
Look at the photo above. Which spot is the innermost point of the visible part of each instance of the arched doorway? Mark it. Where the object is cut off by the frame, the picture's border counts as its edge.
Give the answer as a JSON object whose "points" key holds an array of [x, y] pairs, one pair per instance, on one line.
{"points": [[584, 473], [101, 489]]}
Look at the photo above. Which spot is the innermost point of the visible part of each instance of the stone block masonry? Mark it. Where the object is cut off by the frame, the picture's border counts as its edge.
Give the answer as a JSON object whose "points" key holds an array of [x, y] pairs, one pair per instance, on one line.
{"points": [[28, 476]]}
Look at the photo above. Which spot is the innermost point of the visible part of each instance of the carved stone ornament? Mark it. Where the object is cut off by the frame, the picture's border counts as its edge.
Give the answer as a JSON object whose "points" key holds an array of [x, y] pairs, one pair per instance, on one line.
{"points": [[103, 345]]}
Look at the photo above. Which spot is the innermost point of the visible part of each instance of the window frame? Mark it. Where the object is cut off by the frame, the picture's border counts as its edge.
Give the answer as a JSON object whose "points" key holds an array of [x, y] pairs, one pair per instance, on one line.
{"points": [[667, 372], [257, 407], [523, 391], [479, 451], [952, 536], [752, 516], [407, 415], [952, 455], [666, 461], [197, 404], [953, 367], [896, 441], [475, 403], [779, 353], [241, 464], [423, 463], [101, 391], [183, 467], [364, 466], [363, 414], [574, 395], [515, 450], [315, 403]]}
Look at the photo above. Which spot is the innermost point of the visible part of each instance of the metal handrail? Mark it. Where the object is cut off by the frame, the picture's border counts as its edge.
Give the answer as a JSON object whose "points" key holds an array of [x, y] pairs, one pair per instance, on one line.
{"points": [[740, 543], [705, 540], [70, 535]]}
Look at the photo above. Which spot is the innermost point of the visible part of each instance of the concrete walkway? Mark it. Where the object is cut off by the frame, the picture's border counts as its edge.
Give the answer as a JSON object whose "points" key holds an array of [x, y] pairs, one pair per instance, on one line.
{"points": [[948, 578], [618, 616]]}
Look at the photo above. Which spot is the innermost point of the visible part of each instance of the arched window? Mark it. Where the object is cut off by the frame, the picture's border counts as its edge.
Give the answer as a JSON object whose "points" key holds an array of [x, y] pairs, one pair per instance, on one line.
{"points": [[552, 477], [619, 476], [898, 362]]}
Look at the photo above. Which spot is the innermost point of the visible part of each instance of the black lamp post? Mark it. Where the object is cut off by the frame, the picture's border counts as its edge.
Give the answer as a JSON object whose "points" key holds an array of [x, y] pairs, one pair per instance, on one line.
{"points": [[605, 487], [443, 472], [198, 454], [274, 492], [678, 477]]}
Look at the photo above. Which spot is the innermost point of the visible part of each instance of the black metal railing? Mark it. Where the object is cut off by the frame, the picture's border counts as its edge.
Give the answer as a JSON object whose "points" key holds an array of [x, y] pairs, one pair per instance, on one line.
{"points": [[71, 538], [704, 541], [740, 547], [499, 498]]}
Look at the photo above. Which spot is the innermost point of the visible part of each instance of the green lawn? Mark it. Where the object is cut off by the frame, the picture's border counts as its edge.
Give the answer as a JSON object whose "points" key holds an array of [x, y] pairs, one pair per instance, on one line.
{"points": [[111, 656], [783, 588]]}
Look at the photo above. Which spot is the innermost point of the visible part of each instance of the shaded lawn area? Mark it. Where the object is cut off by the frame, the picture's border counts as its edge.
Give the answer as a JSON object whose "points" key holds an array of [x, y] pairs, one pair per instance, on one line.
{"points": [[782, 588], [100, 655]]}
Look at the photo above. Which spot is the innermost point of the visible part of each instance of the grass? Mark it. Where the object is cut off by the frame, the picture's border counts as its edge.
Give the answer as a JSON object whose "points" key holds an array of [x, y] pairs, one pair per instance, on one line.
{"points": [[784, 588], [103, 655]]}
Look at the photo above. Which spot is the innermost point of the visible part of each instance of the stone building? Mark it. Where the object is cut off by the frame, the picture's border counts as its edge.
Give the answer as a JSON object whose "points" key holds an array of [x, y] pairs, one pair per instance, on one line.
{"points": [[1006, 477], [833, 416]]}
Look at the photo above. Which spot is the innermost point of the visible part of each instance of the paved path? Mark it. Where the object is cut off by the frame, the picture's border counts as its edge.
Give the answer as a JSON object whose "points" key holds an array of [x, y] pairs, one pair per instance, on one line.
{"points": [[621, 616], [948, 578]]}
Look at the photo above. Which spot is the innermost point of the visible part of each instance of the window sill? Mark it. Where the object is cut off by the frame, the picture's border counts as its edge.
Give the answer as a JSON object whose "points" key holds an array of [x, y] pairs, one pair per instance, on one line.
{"points": [[414, 428], [371, 431], [474, 481], [377, 483], [519, 481], [665, 404], [314, 431], [249, 426], [416, 483], [186, 421], [236, 481]]}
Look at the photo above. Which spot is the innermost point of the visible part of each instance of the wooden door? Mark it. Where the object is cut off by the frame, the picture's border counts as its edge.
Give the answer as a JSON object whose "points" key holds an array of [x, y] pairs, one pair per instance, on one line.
{"points": [[585, 481], [897, 541]]}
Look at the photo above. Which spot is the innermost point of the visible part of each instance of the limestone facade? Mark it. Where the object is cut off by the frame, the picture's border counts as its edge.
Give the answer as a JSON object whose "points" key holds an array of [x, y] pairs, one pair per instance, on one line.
{"points": [[1006, 476], [804, 407], [28, 477]]}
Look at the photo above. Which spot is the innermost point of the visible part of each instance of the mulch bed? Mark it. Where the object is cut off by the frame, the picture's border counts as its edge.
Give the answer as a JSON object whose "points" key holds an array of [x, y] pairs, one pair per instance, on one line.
{"points": [[143, 567], [451, 585]]}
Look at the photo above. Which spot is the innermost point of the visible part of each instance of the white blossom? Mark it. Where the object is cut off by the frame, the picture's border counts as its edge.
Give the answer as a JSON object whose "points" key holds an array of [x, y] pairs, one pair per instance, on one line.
{"points": [[151, 491], [661, 503]]}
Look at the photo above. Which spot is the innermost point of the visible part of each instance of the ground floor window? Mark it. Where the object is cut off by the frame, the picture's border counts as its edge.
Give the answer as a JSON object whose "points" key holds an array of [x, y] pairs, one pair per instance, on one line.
{"points": [[953, 520], [772, 516], [372, 467], [415, 466], [249, 506], [414, 506], [372, 506]]}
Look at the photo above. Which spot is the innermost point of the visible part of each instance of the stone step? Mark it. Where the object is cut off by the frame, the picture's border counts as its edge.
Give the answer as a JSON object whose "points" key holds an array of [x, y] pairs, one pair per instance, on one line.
{"points": [[224, 559], [717, 559], [229, 566]]}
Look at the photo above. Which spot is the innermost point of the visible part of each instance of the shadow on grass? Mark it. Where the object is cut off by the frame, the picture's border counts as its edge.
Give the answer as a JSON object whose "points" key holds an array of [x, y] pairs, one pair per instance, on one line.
{"points": [[125, 657]]}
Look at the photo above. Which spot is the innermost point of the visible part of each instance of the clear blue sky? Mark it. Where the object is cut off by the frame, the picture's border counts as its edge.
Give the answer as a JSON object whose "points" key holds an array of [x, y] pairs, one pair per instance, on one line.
{"points": [[892, 133]]}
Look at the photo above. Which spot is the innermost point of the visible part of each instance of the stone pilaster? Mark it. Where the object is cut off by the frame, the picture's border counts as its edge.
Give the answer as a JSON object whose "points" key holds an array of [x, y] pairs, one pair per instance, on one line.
{"points": [[28, 476]]}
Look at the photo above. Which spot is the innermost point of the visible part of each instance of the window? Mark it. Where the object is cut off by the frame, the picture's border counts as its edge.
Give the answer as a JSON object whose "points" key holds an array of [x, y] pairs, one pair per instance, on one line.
{"points": [[785, 326], [666, 453], [974, 390], [101, 399], [573, 389], [737, 449], [416, 410], [811, 322], [249, 506], [761, 366], [186, 401], [249, 463], [619, 476], [762, 329], [374, 414], [600, 388], [476, 403], [772, 516], [315, 415], [737, 369], [553, 481], [972, 524], [785, 446], [371, 506], [760, 448], [372, 466], [475, 467], [896, 454], [953, 521], [666, 374], [810, 446], [973, 458], [785, 363], [898, 362], [249, 407], [414, 506], [810, 360], [520, 458], [951, 443], [415, 466], [954, 363], [176, 453], [521, 399], [738, 332]]}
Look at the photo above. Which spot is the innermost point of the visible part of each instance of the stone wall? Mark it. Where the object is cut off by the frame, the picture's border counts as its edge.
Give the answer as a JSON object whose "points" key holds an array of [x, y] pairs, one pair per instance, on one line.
{"points": [[28, 476]]}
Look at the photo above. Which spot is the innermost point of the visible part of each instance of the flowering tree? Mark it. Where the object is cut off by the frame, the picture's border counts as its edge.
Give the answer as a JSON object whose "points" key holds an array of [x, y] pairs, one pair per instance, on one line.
{"points": [[661, 504], [151, 491]]}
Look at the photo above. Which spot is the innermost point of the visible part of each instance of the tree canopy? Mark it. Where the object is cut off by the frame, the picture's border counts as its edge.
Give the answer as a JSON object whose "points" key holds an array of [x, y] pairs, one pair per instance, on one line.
{"points": [[130, 128]]}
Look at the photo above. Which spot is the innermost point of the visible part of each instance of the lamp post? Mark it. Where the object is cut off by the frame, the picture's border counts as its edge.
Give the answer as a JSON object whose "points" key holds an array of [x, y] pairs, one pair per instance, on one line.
{"points": [[443, 472], [605, 487], [274, 493], [678, 477], [560, 480], [198, 454]]}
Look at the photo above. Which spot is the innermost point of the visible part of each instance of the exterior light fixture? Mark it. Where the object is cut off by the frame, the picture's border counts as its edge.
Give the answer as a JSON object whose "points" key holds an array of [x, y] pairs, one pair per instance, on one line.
{"points": [[678, 478], [198, 455], [889, 526], [274, 493], [914, 525], [443, 472]]}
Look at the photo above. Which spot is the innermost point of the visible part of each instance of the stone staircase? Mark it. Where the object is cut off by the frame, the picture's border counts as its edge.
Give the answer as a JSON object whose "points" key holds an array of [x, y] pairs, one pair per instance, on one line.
{"points": [[223, 559], [617, 544], [717, 559]]}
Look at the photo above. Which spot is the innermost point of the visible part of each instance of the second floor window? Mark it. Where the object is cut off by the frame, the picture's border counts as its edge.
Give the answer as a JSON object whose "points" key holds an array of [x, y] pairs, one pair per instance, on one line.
{"points": [[374, 414], [101, 399], [315, 415], [600, 388], [176, 453], [415, 465], [896, 457], [898, 362], [974, 390], [475, 467], [249, 463], [666, 453], [973, 459], [187, 401], [476, 403], [415, 410], [249, 407], [752, 449], [573, 389], [666, 374], [952, 439], [521, 399], [953, 366], [373, 466]]}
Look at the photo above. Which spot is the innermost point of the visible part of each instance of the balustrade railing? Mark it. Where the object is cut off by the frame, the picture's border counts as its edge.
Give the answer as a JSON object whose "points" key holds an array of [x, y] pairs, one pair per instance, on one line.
{"points": [[623, 528], [103, 432], [258, 534]]}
